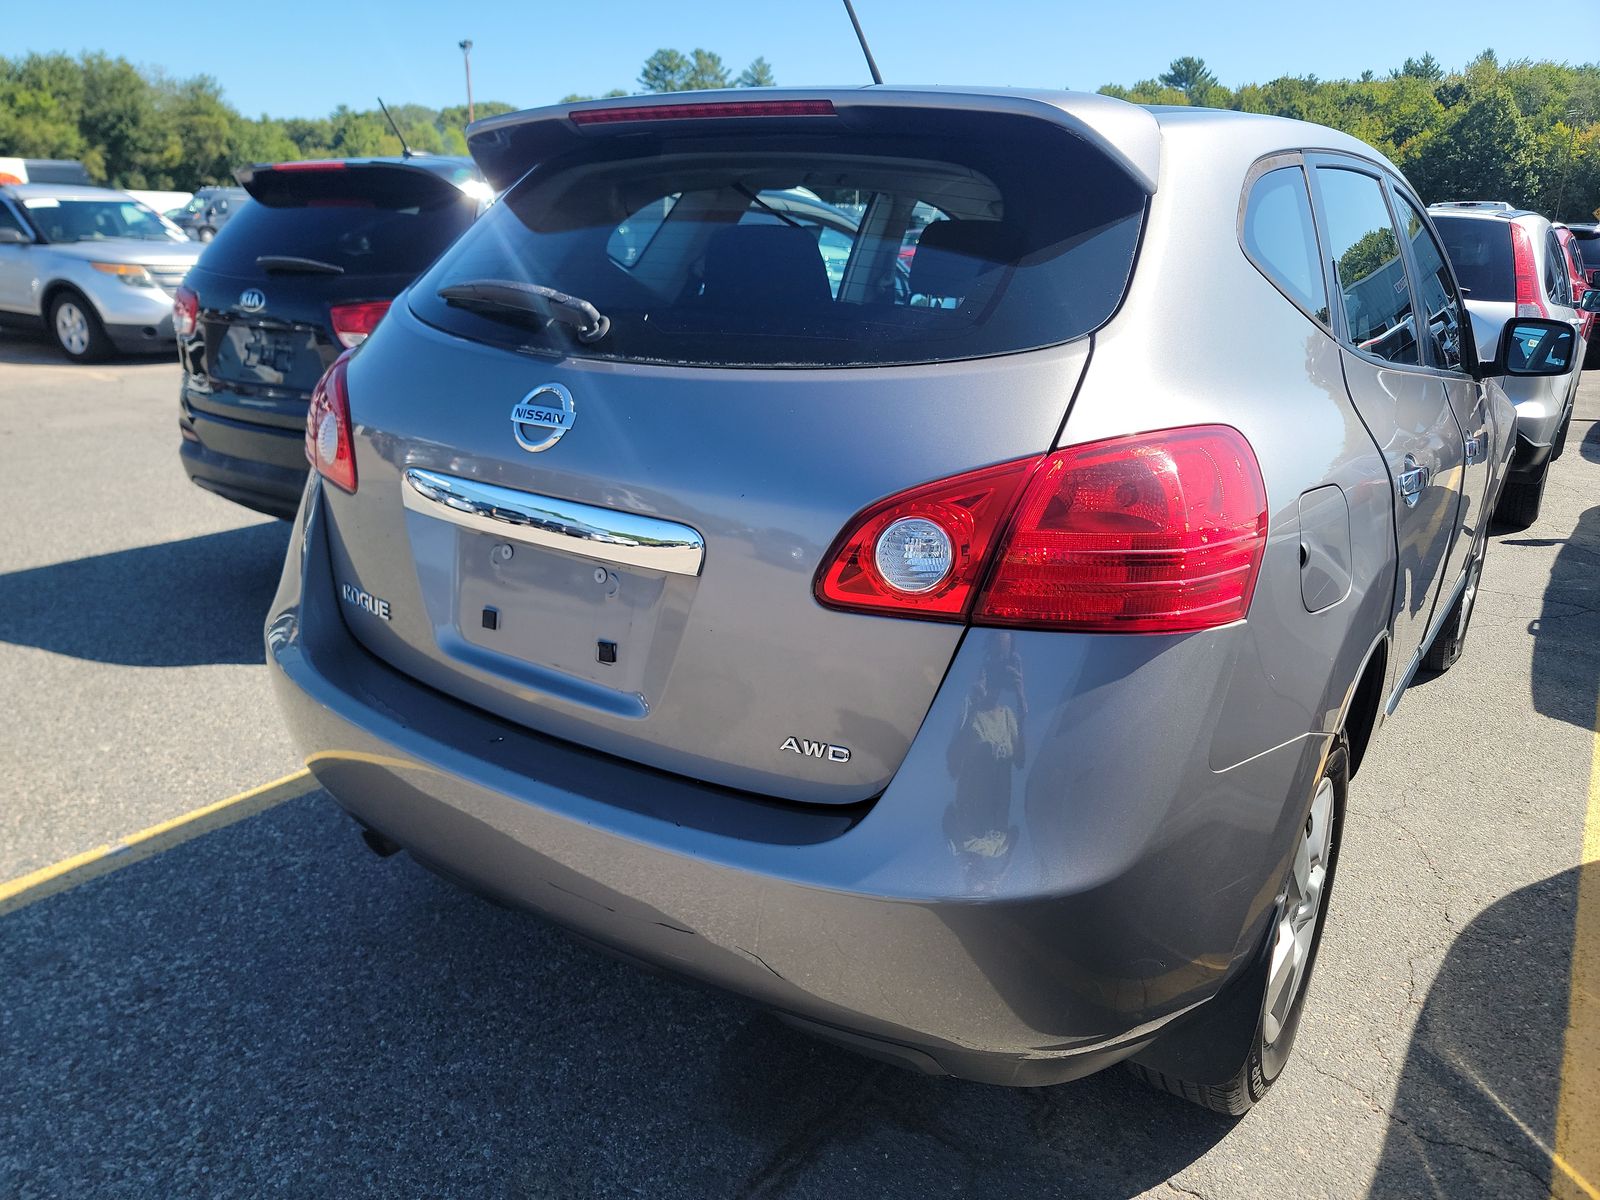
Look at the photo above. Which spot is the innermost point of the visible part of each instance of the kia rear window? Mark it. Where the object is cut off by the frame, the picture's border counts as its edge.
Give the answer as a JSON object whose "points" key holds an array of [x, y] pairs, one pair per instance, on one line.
{"points": [[1480, 252], [803, 250], [366, 226]]}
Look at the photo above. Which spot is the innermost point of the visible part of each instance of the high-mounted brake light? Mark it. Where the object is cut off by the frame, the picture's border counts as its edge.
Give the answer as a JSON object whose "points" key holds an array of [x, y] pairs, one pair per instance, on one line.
{"points": [[353, 322], [330, 448], [1529, 302], [689, 112], [1156, 533], [185, 312], [311, 164]]}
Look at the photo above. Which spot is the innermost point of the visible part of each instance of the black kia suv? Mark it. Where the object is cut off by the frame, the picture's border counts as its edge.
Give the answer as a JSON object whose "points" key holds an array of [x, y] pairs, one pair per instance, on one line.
{"points": [[289, 283]]}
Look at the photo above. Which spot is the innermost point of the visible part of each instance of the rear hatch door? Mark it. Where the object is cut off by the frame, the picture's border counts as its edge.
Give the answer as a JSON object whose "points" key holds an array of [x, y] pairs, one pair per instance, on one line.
{"points": [[320, 236], [745, 402]]}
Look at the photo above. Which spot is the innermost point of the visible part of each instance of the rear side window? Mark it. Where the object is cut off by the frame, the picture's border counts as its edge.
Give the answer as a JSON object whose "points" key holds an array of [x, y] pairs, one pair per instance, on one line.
{"points": [[1281, 239], [372, 230], [1371, 274], [1480, 252], [1441, 308], [802, 250], [1555, 270]]}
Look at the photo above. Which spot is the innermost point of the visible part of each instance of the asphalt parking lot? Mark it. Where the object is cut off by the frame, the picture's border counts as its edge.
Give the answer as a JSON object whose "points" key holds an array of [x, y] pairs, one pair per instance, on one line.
{"points": [[268, 1009]]}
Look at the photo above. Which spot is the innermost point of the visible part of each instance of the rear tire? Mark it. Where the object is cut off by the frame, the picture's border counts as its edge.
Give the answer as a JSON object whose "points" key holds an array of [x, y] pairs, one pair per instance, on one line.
{"points": [[75, 328], [1521, 500], [1259, 1014], [205, 235], [1452, 636]]}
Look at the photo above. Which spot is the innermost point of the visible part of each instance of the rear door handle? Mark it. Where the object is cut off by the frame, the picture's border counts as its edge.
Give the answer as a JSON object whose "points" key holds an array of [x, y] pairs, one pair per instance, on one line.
{"points": [[1412, 480], [1478, 447]]}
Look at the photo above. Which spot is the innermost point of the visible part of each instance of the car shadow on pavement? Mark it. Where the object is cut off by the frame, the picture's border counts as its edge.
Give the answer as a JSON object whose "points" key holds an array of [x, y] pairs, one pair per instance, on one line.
{"points": [[200, 600], [21, 345], [1590, 447], [1568, 626], [270, 1010], [1475, 1109]]}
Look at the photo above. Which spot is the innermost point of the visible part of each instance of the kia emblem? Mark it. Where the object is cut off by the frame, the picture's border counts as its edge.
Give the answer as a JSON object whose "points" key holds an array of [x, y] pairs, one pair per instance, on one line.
{"points": [[252, 300]]}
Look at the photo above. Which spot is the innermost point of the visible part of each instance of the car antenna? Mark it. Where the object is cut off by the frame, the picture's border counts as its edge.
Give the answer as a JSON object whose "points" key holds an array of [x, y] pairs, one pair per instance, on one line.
{"points": [[877, 76], [407, 151]]}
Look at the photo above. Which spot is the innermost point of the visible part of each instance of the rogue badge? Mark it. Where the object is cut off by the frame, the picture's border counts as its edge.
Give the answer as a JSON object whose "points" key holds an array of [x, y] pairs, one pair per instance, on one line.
{"points": [[542, 417]]}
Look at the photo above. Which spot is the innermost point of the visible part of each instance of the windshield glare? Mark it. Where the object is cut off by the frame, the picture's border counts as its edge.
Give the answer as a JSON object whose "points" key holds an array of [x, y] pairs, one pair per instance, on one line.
{"points": [[98, 220]]}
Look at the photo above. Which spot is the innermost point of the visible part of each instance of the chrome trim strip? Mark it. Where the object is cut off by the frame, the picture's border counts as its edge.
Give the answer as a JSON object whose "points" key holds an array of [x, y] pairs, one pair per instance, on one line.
{"points": [[604, 534]]}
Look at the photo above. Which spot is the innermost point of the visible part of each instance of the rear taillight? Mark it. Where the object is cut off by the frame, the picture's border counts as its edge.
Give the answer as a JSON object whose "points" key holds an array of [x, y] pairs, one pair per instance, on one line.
{"points": [[353, 322], [185, 312], [1529, 302], [921, 553], [329, 445], [1156, 533]]}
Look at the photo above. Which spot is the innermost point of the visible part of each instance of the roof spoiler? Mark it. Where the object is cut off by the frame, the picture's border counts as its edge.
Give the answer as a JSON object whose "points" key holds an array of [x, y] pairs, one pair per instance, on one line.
{"points": [[505, 147], [408, 181]]}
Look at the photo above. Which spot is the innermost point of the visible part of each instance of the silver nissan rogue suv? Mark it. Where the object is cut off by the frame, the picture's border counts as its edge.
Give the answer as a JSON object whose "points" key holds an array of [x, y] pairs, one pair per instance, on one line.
{"points": [[963, 652]]}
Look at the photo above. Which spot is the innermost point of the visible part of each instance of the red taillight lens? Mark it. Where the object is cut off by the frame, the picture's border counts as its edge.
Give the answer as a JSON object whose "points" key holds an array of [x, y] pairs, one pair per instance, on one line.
{"points": [[353, 322], [1529, 302], [967, 509], [1156, 533], [185, 312], [329, 445], [310, 164], [1161, 532], [713, 109]]}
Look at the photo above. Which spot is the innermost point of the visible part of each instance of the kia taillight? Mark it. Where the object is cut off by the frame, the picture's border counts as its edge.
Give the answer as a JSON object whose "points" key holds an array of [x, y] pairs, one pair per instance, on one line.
{"points": [[329, 445], [1529, 302], [1155, 533], [185, 312], [353, 322]]}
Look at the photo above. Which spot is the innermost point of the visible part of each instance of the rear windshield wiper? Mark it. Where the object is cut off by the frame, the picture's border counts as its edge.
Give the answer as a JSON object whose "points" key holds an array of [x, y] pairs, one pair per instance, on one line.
{"points": [[519, 301], [285, 263]]}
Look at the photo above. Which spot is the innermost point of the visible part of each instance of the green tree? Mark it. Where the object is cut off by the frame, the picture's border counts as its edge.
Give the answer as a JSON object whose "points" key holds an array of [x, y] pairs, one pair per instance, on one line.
{"points": [[757, 74], [664, 71], [1426, 68], [1189, 76]]}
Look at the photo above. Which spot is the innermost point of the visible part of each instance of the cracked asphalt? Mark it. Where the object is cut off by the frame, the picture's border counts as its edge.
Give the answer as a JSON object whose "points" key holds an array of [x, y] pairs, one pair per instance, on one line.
{"points": [[270, 1010]]}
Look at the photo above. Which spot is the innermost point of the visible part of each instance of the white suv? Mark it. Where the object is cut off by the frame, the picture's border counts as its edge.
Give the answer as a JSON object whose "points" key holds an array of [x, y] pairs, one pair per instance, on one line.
{"points": [[1509, 264]]}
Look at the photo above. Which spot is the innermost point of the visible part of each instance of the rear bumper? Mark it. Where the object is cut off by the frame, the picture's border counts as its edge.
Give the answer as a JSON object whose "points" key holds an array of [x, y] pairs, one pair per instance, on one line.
{"points": [[257, 466], [1544, 406], [1104, 917]]}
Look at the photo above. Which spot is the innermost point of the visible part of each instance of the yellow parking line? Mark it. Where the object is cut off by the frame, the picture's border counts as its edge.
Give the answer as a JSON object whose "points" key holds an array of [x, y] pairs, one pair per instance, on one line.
{"points": [[1577, 1159], [113, 856]]}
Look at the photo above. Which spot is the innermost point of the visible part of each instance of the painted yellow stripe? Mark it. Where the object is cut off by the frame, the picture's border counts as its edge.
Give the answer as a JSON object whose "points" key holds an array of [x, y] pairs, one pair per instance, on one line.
{"points": [[136, 847], [1576, 1172]]}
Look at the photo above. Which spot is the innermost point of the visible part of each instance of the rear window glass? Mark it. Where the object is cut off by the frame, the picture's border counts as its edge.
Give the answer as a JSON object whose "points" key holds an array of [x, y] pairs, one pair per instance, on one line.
{"points": [[807, 250], [1480, 252], [378, 231]]}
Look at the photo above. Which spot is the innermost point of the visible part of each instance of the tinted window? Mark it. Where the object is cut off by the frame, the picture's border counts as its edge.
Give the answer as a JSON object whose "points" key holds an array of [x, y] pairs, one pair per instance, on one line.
{"points": [[1555, 271], [1366, 261], [362, 238], [9, 220], [808, 251], [1281, 239], [1480, 251], [67, 221], [1439, 302]]}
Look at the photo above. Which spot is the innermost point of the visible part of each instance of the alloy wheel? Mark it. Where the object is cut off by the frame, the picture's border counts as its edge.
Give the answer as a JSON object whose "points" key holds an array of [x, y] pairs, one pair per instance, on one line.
{"points": [[72, 327], [1295, 934]]}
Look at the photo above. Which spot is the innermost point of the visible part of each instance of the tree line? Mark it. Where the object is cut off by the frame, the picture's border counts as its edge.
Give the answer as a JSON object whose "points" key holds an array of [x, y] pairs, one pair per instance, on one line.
{"points": [[1527, 132]]}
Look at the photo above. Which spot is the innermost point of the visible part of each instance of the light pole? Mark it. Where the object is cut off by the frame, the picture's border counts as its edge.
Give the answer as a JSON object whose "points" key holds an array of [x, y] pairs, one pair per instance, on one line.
{"points": [[466, 57]]}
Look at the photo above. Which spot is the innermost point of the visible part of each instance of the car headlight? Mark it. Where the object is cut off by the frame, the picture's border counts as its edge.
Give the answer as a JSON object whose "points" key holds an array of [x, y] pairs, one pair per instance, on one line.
{"points": [[128, 273]]}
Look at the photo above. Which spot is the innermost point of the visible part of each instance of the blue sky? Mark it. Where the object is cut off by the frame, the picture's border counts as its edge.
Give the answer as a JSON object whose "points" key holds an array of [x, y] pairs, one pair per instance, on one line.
{"points": [[293, 58]]}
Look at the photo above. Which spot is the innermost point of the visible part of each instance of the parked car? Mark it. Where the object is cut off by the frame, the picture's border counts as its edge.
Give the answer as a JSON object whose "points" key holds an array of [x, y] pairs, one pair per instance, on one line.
{"points": [[43, 170], [1577, 277], [96, 267], [168, 204], [971, 699], [203, 217], [304, 271], [1510, 263], [1588, 237]]}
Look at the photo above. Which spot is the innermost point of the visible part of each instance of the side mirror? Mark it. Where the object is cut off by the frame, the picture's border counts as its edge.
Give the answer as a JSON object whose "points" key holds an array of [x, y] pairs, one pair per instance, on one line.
{"points": [[1535, 346], [10, 236], [1590, 301]]}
